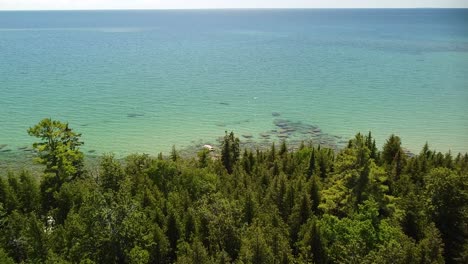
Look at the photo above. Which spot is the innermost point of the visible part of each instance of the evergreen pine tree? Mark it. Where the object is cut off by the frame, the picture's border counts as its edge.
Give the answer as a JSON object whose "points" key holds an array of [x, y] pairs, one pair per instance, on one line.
{"points": [[312, 164]]}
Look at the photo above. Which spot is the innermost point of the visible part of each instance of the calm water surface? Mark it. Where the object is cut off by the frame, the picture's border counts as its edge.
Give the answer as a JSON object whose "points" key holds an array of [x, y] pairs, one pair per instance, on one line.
{"points": [[141, 81]]}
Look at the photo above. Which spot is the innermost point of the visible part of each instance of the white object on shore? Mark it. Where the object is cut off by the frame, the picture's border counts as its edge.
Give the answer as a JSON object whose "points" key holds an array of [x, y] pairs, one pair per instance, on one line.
{"points": [[208, 147]]}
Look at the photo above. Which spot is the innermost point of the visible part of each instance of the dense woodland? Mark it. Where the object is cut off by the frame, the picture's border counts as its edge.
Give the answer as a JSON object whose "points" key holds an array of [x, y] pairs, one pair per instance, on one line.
{"points": [[311, 205]]}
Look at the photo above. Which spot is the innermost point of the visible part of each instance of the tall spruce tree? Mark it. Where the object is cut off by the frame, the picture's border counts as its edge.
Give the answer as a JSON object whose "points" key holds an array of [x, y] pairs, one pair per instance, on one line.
{"points": [[230, 151]]}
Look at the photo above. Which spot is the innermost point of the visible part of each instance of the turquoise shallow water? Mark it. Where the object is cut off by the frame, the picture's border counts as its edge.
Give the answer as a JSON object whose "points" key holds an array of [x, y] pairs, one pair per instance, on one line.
{"points": [[141, 81]]}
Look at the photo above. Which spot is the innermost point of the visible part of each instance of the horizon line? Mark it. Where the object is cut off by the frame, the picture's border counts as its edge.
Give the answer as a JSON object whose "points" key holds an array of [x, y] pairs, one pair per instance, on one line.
{"points": [[223, 8]]}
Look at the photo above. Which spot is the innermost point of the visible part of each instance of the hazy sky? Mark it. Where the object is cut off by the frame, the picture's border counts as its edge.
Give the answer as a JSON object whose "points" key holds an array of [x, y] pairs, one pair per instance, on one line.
{"points": [[190, 4]]}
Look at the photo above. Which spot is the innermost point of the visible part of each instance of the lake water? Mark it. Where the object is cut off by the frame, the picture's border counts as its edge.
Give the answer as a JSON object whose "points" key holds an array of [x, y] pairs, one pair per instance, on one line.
{"points": [[142, 81]]}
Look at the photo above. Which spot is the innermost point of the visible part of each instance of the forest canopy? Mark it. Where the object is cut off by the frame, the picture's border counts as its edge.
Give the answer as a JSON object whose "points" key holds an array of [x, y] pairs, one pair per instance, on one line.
{"points": [[309, 205]]}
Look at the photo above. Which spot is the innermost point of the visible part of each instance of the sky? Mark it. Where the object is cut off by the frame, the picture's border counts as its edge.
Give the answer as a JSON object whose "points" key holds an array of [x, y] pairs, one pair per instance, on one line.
{"points": [[201, 4]]}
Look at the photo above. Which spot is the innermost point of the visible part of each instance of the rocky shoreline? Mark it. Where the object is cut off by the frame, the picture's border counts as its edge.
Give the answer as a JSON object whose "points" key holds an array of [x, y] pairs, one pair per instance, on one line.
{"points": [[294, 133]]}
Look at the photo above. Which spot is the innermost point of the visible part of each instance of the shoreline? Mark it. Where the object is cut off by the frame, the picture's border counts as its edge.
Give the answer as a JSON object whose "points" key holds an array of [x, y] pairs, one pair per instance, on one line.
{"points": [[23, 158], [294, 133]]}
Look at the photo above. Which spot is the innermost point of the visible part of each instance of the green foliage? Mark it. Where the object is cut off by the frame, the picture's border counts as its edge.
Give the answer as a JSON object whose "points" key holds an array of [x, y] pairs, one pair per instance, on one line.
{"points": [[447, 194], [313, 205], [4, 258], [230, 151], [315, 194], [254, 248], [21, 193], [311, 244], [193, 253], [249, 209], [220, 223], [59, 149], [391, 148], [312, 164], [414, 219], [174, 155], [111, 173], [431, 247], [59, 152], [203, 158], [173, 233], [138, 256]]}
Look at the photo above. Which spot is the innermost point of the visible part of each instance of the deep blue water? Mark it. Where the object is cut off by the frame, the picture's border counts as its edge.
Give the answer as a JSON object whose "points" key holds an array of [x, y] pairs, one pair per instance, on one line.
{"points": [[145, 80]]}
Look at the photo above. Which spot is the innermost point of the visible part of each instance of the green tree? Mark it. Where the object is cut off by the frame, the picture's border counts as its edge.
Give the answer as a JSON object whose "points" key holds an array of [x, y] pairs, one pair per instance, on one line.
{"points": [[255, 249], [448, 196], [36, 239], [174, 154], [312, 245], [173, 233], [391, 148], [370, 144], [4, 258], [249, 209], [193, 253], [220, 223], [13, 236], [283, 149], [414, 217], [299, 216], [59, 150], [315, 193], [312, 164], [362, 183], [230, 151], [139, 255], [8, 195], [203, 158], [190, 226], [111, 173], [28, 194], [431, 247]]}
